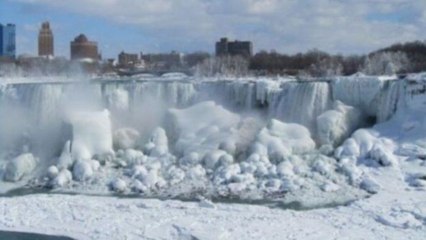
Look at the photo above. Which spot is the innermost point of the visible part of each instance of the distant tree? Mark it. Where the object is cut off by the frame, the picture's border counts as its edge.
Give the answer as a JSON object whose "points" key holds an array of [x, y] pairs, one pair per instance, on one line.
{"points": [[192, 59], [415, 51], [226, 65], [326, 67]]}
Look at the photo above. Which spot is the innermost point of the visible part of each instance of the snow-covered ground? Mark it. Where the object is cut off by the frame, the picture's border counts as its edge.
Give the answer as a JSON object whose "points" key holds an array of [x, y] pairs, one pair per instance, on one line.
{"points": [[397, 212], [353, 144]]}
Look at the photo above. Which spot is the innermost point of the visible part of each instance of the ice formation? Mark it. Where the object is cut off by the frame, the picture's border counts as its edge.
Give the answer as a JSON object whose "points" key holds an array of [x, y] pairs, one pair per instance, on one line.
{"points": [[19, 167], [248, 138]]}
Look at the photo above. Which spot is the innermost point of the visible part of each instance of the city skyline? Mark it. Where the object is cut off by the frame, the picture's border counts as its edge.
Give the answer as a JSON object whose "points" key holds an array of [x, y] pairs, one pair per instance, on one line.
{"points": [[162, 26]]}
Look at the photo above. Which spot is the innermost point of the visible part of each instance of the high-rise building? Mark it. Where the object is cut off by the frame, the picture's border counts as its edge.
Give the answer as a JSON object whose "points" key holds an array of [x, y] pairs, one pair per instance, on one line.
{"points": [[45, 40], [235, 48], [8, 40], [82, 48]]}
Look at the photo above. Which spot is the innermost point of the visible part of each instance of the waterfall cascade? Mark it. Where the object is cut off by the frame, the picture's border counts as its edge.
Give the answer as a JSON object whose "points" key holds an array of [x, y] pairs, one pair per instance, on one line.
{"points": [[43, 104]]}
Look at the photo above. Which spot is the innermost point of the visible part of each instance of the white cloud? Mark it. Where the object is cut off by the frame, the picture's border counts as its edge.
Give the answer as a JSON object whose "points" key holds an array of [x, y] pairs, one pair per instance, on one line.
{"points": [[344, 26]]}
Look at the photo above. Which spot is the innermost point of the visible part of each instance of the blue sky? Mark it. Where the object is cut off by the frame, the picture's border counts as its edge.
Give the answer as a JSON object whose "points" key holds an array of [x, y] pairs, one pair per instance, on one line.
{"points": [[337, 26]]}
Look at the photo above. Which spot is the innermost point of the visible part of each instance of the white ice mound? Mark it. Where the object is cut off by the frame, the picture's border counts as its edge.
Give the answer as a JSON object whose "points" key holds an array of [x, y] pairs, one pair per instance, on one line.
{"points": [[285, 138], [63, 178], [335, 125], [91, 134], [201, 128], [82, 170], [158, 144], [19, 167], [367, 144], [125, 138]]}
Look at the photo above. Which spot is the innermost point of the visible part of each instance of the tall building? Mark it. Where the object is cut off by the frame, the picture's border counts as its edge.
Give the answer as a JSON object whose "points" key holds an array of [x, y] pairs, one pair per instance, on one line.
{"points": [[8, 40], [82, 48], [128, 59], [45, 40], [236, 48]]}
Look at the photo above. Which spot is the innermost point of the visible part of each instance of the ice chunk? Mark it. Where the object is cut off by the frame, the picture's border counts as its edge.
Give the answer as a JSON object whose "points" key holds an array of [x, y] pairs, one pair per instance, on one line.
{"points": [[91, 134], [158, 143], [349, 168], [132, 157], [285, 169], [19, 167], [370, 185], [82, 170], [211, 160], [64, 177], [202, 128], [349, 148], [125, 138], [52, 172], [228, 146], [118, 185], [365, 138], [205, 203], [65, 160], [191, 159], [382, 155], [286, 139], [335, 125]]}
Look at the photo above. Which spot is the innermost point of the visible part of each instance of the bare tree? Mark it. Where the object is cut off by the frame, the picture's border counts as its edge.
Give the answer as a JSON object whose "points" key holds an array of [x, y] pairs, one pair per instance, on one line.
{"points": [[226, 65], [326, 67]]}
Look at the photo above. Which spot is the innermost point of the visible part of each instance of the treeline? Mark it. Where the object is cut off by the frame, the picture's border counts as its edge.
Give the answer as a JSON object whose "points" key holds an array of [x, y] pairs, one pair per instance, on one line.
{"points": [[396, 59], [314, 62], [415, 52]]}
